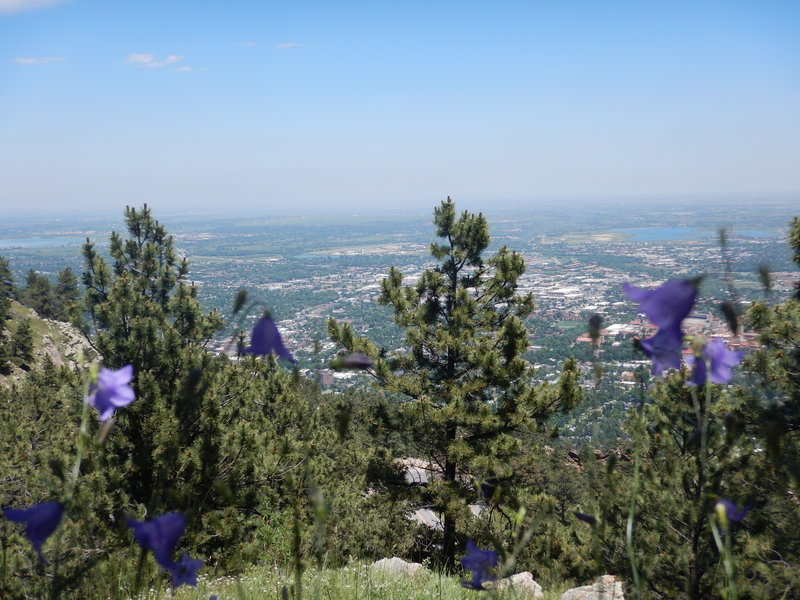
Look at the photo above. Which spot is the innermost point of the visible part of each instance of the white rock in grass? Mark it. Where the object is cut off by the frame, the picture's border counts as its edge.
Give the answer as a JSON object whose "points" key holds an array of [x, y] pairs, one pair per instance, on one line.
{"points": [[605, 587], [522, 583], [397, 566]]}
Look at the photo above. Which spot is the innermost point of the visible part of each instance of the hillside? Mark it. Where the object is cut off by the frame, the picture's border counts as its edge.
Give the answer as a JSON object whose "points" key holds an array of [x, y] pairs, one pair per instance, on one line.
{"points": [[63, 343]]}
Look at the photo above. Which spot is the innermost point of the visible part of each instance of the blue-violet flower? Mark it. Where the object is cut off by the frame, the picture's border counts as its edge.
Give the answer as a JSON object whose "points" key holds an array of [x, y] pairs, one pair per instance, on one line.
{"points": [[160, 535], [185, 571], [265, 338], [480, 562], [41, 520], [733, 512], [668, 304], [112, 391], [721, 362]]}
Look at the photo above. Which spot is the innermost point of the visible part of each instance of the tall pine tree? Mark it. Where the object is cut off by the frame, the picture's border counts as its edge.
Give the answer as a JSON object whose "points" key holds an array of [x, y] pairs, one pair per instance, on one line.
{"points": [[465, 389], [145, 313], [67, 297]]}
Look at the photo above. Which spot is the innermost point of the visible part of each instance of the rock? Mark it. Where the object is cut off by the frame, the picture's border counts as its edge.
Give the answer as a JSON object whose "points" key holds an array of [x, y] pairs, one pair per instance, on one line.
{"points": [[522, 583], [397, 566], [605, 587]]}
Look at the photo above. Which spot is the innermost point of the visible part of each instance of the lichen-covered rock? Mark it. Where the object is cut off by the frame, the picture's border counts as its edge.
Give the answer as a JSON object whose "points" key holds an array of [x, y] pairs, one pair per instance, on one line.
{"points": [[397, 566], [522, 583], [605, 587]]}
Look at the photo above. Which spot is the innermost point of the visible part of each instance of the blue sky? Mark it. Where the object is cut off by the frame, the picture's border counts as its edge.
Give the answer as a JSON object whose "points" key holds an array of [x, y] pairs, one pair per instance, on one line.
{"points": [[304, 106]]}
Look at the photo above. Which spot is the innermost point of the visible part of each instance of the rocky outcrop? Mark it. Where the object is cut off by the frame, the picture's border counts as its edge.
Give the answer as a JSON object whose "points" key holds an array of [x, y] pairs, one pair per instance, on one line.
{"points": [[522, 583], [397, 566], [64, 344], [606, 587]]}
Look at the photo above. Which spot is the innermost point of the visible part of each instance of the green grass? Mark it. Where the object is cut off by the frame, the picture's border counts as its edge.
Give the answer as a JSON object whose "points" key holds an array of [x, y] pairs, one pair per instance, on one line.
{"points": [[567, 325], [353, 582]]}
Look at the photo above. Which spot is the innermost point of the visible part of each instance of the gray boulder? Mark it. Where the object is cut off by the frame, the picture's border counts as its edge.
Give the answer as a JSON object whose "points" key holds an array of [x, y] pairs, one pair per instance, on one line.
{"points": [[397, 566], [522, 583], [605, 587]]}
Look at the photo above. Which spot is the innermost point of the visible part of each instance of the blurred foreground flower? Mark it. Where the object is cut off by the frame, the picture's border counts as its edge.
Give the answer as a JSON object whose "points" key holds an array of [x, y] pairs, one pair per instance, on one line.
{"points": [[480, 562], [265, 339], [112, 391], [41, 520], [160, 535], [664, 349], [185, 571], [732, 512], [666, 307], [720, 359], [668, 304]]}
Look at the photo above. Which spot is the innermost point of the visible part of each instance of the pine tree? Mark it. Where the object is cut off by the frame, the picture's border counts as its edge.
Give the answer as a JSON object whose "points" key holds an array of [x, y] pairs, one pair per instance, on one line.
{"points": [[465, 388], [7, 290], [67, 301], [5, 355], [775, 412], [145, 313], [22, 343], [38, 294]]}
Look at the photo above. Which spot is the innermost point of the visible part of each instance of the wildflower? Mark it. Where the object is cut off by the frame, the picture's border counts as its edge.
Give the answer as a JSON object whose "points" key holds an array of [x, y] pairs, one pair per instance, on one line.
{"points": [[265, 339], [185, 571], [721, 362], [480, 562], [664, 348], [668, 304], [160, 535], [731, 510], [41, 520], [666, 307], [111, 391]]}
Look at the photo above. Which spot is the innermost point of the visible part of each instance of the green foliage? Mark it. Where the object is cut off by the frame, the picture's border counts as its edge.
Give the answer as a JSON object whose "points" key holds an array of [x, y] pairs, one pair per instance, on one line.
{"points": [[67, 304], [774, 412], [38, 294], [7, 291], [22, 344], [464, 388], [5, 355]]}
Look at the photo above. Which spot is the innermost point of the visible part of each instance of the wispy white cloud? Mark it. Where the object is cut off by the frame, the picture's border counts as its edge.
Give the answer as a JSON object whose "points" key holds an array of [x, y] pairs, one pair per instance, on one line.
{"points": [[248, 44], [285, 45], [12, 6], [187, 69], [38, 61], [150, 61]]}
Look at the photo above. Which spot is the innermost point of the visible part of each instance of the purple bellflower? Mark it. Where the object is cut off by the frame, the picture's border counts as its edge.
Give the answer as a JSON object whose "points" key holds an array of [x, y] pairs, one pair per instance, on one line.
{"points": [[41, 520], [721, 362], [265, 339], [160, 535], [733, 512], [664, 349], [480, 562], [185, 571], [666, 307], [112, 391]]}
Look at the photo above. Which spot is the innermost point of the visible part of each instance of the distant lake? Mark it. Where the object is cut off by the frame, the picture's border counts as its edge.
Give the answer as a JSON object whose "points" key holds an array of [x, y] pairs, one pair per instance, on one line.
{"points": [[660, 234], [41, 242]]}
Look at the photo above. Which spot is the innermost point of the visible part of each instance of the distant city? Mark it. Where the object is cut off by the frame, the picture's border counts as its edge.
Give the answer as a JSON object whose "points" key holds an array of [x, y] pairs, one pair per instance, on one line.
{"points": [[307, 269]]}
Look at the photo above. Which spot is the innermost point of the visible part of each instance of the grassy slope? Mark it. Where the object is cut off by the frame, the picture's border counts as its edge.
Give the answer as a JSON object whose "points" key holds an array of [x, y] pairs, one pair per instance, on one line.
{"points": [[354, 582]]}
